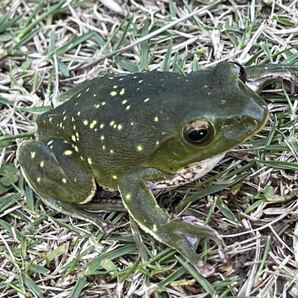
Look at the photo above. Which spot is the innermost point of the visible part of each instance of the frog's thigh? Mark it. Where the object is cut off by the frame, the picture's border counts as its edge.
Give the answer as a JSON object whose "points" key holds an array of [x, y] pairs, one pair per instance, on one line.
{"points": [[55, 170]]}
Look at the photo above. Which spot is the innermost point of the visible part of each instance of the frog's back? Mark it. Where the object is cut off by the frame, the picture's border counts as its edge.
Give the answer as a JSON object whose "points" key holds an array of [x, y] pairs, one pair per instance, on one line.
{"points": [[117, 113]]}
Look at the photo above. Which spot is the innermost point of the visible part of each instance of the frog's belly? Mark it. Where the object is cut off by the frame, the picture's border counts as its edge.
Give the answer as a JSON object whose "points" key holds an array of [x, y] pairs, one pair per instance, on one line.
{"points": [[188, 174]]}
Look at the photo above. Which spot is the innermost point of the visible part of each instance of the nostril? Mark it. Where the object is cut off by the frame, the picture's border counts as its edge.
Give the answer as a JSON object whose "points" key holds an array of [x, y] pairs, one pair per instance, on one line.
{"points": [[239, 119]]}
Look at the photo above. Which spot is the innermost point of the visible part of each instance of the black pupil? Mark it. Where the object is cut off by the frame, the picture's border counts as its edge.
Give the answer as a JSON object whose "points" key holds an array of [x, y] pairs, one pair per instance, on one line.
{"points": [[198, 134]]}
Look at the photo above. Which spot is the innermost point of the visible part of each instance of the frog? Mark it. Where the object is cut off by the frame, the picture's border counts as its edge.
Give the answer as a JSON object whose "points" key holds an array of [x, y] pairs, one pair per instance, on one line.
{"points": [[139, 132]]}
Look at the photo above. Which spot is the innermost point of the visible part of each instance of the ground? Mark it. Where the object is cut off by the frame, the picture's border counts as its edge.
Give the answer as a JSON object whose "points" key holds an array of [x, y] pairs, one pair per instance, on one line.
{"points": [[250, 198]]}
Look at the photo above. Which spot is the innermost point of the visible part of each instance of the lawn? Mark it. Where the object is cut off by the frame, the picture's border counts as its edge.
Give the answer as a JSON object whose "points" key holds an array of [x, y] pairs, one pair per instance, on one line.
{"points": [[250, 197]]}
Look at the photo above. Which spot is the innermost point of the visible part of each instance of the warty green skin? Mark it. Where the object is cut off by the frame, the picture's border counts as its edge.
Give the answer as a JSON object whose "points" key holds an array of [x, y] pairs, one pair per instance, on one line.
{"points": [[126, 131]]}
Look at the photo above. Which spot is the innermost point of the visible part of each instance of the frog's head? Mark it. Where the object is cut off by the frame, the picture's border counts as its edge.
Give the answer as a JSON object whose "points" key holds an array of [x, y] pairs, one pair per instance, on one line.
{"points": [[219, 113]]}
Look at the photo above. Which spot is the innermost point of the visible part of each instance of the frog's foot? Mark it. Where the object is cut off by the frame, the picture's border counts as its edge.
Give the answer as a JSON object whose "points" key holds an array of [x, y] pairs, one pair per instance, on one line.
{"points": [[185, 237], [207, 232], [77, 211], [59, 176], [182, 236]]}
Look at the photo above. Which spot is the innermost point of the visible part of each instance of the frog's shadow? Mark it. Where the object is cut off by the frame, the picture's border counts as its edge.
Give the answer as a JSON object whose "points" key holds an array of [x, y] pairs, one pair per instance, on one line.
{"points": [[110, 200]]}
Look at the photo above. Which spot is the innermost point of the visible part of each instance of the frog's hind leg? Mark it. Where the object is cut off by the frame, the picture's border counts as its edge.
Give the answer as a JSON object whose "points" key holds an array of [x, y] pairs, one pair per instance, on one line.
{"points": [[59, 176], [55, 170]]}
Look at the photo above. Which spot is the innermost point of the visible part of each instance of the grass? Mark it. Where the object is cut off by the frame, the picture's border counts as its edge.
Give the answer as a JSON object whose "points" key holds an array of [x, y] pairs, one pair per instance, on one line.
{"points": [[250, 197]]}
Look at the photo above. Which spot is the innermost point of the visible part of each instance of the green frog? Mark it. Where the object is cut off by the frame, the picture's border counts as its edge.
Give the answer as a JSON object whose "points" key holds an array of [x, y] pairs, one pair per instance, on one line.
{"points": [[139, 132]]}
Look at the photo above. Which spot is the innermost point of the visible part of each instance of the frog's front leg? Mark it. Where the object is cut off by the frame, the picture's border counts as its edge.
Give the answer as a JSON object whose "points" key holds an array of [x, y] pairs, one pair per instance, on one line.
{"points": [[143, 208], [60, 178]]}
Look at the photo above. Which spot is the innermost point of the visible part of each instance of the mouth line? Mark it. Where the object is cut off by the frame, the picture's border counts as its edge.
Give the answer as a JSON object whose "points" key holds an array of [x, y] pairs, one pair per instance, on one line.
{"points": [[258, 129]]}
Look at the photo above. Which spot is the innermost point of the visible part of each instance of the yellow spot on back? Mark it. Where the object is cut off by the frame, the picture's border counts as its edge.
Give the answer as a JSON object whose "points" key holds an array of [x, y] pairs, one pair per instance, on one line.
{"points": [[73, 137], [41, 164], [113, 93], [140, 81], [64, 180], [156, 119], [124, 101], [72, 119], [50, 119], [89, 160], [114, 177], [38, 179], [76, 149], [92, 125], [128, 196], [127, 108], [139, 148], [96, 106], [32, 154], [101, 126], [112, 123], [85, 122], [103, 103], [111, 151], [147, 99], [102, 138], [119, 127], [122, 91], [67, 152]]}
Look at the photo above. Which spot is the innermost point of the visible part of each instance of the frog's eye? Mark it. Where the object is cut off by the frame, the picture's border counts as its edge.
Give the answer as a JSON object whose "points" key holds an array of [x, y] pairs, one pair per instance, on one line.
{"points": [[198, 132], [241, 71]]}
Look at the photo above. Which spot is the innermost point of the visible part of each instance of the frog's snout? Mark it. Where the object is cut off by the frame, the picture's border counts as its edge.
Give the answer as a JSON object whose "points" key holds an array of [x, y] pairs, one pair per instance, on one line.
{"points": [[257, 114], [247, 122]]}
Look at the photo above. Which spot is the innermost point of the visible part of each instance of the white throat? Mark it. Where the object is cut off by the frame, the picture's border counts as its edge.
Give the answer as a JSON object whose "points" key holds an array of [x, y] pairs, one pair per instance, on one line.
{"points": [[188, 174]]}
